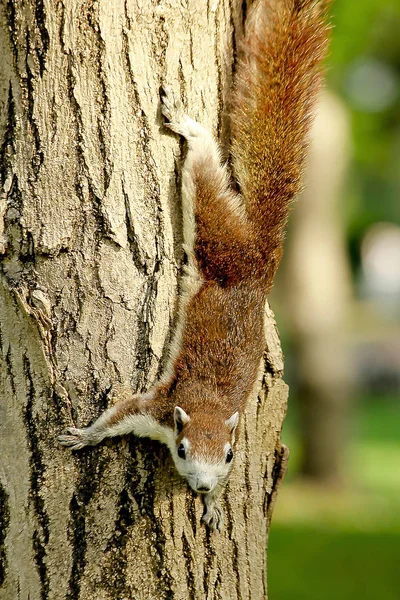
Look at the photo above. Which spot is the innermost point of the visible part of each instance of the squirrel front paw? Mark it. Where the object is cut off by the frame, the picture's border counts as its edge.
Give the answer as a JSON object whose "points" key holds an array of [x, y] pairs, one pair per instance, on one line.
{"points": [[214, 517], [75, 439]]}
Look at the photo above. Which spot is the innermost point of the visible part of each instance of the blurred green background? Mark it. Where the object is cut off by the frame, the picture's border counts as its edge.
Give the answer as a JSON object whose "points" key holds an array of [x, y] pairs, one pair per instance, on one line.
{"points": [[336, 526]]}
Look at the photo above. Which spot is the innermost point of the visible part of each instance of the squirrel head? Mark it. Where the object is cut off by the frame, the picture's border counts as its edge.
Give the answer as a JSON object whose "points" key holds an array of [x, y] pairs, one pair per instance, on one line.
{"points": [[203, 450]]}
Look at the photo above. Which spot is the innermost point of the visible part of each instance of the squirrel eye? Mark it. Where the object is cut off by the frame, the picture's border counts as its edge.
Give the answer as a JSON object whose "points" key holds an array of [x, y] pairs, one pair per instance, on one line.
{"points": [[229, 456], [181, 451]]}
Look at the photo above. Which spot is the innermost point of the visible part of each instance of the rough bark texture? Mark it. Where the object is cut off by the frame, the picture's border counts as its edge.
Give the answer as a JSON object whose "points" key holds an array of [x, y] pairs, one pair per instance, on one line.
{"points": [[90, 239]]}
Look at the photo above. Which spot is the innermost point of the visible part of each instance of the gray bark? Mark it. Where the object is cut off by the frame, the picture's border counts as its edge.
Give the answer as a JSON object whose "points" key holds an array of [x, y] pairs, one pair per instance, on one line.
{"points": [[90, 242]]}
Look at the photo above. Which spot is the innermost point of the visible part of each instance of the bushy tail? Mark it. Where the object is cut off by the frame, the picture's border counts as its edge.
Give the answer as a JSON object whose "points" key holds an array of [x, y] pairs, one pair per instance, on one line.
{"points": [[276, 85]]}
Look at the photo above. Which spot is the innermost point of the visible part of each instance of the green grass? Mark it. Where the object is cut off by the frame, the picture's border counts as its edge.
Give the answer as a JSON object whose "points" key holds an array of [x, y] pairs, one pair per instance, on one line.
{"points": [[342, 544], [305, 563], [379, 420]]}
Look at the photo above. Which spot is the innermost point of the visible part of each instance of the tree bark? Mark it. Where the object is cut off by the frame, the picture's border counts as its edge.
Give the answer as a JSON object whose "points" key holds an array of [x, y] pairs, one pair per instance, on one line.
{"points": [[90, 230]]}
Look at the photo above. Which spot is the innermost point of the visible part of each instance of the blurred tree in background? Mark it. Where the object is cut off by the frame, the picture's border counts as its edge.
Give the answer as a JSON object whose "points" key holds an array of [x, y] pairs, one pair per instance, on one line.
{"points": [[364, 68], [317, 295], [328, 543]]}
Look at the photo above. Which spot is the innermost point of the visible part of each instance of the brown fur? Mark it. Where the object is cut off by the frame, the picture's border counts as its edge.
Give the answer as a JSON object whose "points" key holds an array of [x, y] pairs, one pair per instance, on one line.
{"points": [[125, 408], [208, 435], [276, 85], [224, 247], [275, 90], [223, 340]]}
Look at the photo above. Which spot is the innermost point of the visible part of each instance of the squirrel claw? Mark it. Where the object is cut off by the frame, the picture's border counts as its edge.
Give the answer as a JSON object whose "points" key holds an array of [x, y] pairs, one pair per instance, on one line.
{"points": [[73, 439], [171, 107], [177, 120]]}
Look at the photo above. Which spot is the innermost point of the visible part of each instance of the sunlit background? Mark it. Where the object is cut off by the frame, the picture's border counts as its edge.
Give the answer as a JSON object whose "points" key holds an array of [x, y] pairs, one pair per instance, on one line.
{"points": [[336, 527]]}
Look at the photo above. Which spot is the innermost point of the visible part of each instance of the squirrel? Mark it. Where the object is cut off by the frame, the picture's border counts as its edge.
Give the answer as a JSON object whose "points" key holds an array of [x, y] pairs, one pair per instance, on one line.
{"points": [[233, 237]]}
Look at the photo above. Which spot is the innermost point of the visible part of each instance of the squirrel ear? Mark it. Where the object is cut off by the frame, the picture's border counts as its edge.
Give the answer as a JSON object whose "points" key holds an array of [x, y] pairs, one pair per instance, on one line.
{"points": [[232, 422], [180, 418]]}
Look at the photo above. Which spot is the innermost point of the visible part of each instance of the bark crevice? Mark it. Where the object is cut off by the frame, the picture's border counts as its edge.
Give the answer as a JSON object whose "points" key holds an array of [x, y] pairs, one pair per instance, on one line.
{"points": [[4, 525], [91, 227], [38, 472]]}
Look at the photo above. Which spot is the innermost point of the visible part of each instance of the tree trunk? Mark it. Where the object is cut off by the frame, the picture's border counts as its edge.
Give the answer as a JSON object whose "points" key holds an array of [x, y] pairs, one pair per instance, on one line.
{"points": [[318, 277], [91, 246]]}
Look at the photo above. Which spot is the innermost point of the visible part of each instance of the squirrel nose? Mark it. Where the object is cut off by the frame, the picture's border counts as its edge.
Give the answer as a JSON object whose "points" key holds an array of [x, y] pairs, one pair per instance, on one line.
{"points": [[203, 488]]}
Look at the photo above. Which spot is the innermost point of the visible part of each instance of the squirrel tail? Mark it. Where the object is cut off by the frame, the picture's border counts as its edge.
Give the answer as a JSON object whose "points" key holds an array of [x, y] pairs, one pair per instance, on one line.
{"points": [[276, 85]]}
